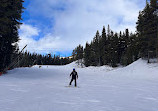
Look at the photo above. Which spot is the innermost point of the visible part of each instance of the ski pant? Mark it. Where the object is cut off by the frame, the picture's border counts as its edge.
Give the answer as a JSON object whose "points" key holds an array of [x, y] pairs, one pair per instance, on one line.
{"points": [[72, 80]]}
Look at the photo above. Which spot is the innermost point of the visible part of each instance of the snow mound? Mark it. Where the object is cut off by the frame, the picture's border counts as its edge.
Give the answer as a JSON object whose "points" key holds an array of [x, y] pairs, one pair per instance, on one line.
{"points": [[75, 65], [139, 69]]}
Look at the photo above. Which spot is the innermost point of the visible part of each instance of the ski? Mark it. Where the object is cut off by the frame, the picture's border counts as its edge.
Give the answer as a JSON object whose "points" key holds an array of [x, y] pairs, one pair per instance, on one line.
{"points": [[72, 86]]}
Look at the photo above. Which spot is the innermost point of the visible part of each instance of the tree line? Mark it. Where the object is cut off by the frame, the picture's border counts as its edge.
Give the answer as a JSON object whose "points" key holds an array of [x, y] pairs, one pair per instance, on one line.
{"points": [[10, 21], [109, 48], [106, 48], [30, 59], [112, 48]]}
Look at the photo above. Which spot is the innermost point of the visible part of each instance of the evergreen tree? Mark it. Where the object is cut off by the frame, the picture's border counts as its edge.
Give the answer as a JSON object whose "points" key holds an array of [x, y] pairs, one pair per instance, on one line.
{"points": [[108, 31], [93, 54], [124, 48], [87, 55], [74, 54], [96, 49], [10, 16], [147, 30], [114, 50], [154, 4], [103, 47], [78, 53]]}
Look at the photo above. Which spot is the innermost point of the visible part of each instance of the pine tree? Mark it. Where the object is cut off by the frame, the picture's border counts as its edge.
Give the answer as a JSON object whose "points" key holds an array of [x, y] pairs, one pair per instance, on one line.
{"points": [[96, 48], [108, 46], [93, 54], [147, 30], [154, 4], [10, 16], [154, 25], [125, 48], [122, 48], [108, 30], [103, 47], [79, 54], [114, 50], [74, 54], [87, 55]]}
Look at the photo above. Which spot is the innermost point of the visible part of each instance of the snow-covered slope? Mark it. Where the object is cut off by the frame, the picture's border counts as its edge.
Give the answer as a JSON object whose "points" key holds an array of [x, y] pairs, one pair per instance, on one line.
{"points": [[139, 70], [132, 88]]}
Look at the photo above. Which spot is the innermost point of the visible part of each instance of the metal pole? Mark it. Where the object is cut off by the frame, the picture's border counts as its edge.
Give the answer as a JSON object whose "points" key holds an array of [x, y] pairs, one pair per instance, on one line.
{"points": [[15, 60]]}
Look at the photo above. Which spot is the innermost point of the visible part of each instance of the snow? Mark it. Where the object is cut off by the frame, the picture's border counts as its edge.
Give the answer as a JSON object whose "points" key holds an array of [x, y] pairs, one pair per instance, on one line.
{"points": [[131, 88]]}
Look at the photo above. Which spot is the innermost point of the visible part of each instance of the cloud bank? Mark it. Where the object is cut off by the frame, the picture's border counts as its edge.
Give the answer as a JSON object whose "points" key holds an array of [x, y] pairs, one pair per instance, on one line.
{"points": [[73, 22]]}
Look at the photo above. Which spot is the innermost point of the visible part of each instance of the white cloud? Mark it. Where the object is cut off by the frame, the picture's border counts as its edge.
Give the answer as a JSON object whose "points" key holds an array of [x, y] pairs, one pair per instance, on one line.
{"points": [[76, 21], [46, 44], [29, 31]]}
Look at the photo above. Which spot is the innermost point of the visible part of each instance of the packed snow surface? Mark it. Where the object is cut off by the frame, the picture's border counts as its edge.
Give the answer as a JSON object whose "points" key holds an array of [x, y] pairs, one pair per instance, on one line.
{"points": [[132, 88]]}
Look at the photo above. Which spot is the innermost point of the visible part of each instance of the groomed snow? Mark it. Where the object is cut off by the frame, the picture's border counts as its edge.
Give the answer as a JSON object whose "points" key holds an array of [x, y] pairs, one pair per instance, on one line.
{"points": [[132, 88]]}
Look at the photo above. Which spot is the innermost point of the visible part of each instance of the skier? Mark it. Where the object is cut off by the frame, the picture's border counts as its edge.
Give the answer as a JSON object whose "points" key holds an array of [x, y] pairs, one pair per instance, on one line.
{"points": [[74, 75]]}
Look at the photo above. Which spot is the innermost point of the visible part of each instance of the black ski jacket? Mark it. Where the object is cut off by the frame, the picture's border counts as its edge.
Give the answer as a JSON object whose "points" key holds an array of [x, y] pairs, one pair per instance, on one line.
{"points": [[74, 74]]}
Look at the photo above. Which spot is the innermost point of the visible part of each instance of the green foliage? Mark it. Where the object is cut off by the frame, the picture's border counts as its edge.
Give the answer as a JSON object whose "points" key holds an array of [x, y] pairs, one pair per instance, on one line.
{"points": [[10, 16], [87, 55], [111, 49], [147, 29], [29, 59], [78, 54]]}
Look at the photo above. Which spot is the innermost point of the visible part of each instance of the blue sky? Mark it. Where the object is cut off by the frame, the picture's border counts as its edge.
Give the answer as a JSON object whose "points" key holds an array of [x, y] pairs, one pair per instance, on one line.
{"points": [[58, 26]]}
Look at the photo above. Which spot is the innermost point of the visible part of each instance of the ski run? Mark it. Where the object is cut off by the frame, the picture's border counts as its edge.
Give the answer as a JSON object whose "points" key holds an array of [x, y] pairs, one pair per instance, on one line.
{"points": [[131, 88]]}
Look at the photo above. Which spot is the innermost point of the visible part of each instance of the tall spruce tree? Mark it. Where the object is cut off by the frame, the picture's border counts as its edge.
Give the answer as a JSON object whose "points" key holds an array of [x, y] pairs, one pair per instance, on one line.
{"points": [[104, 44], [122, 47], [113, 50], [147, 28], [154, 25], [10, 16], [154, 4], [87, 55], [96, 48], [79, 53]]}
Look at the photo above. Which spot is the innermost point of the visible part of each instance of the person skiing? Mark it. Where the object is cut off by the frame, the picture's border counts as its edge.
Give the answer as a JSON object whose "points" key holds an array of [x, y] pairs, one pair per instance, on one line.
{"points": [[73, 76]]}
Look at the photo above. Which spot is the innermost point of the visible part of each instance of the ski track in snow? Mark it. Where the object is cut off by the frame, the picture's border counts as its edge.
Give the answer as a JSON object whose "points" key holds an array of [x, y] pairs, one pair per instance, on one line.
{"points": [[132, 88]]}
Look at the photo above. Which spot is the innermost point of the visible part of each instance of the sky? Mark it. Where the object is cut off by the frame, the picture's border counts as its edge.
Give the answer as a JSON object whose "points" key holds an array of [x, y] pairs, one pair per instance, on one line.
{"points": [[58, 26]]}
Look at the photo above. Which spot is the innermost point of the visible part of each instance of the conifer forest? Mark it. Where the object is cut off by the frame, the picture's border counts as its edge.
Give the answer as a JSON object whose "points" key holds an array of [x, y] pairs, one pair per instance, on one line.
{"points": [[122, 48], [107, 47]]}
